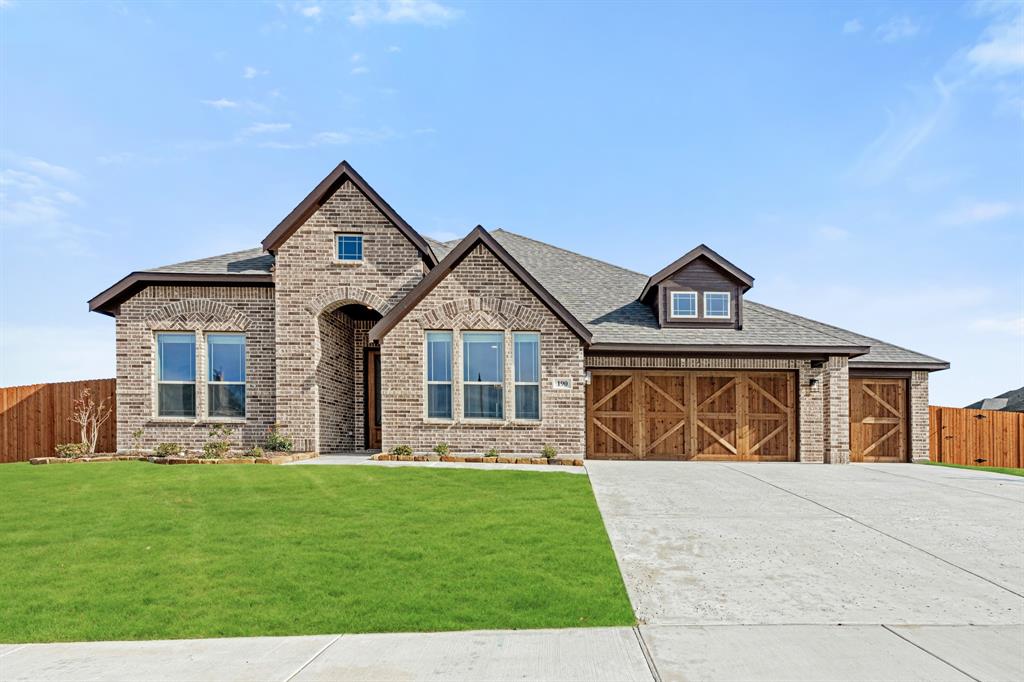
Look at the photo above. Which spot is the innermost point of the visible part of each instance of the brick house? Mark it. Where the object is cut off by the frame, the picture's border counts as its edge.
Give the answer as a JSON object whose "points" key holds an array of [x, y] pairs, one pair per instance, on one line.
{"points": [[356, 333]]}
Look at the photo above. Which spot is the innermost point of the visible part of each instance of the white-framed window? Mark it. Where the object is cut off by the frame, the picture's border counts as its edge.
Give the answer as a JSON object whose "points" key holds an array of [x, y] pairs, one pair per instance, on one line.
{"points": [[439, 375], [225, 361], [684, 304], [483, 375], [349, 247], [526, 362], [176, 374], [716, 304]]}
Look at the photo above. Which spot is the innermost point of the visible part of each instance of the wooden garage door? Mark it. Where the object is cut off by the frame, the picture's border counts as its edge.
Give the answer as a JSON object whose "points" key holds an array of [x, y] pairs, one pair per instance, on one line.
{"points": [[878, 420], [708, 415]]}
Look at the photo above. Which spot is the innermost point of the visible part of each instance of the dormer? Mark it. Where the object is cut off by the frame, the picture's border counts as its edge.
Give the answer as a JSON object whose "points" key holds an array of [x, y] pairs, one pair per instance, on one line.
{"points": [[701, 290]]}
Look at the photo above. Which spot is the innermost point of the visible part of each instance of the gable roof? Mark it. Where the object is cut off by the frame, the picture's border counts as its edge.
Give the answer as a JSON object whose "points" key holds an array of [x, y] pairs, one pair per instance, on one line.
{"points": [[455, 256], [323, 191], [701, 250], [250, 267], [604, 297]]}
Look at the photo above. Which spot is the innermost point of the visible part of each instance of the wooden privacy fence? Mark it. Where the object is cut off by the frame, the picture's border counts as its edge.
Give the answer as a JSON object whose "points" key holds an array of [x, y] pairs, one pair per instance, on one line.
{"points": [[961, 436], [34, 419]]}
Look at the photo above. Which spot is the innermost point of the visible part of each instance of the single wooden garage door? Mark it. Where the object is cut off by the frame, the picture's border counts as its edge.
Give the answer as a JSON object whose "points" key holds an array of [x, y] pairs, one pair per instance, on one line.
{"points": [[878, 420], [709, 415]]}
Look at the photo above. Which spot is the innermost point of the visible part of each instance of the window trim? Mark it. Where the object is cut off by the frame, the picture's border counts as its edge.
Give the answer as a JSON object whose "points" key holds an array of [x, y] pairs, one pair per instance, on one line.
{"points": [[672, 305], [208, 382], [426, 376], [539, 383], [728, 305], [337, 248], [157, 381], [500, 383]]}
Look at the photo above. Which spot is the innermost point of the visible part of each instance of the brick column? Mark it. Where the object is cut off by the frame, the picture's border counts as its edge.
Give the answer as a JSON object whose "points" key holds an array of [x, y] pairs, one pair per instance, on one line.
{"points": [[919, 423], [810, 412], [836, 410]]}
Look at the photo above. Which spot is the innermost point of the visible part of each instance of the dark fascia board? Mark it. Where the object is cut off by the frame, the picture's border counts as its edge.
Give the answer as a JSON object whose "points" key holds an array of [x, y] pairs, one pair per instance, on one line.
{"points": [[323, 191], [919, 366], [727, 349], [690, 256], [478, 236], [107, 300]]}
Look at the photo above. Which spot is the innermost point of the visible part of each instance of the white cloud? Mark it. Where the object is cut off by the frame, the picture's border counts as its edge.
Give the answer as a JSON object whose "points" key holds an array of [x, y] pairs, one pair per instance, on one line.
{"points": [[896, 29], [1002, 48], [832, 233], [251, 72], [1000, 325], [51, 170], [4, 4], [312, 11], [221, 103], [360, 70], [394, 48], [356, 57], [903, 134], [977, 212], [853, 26], [263, 128], [425, 12]]}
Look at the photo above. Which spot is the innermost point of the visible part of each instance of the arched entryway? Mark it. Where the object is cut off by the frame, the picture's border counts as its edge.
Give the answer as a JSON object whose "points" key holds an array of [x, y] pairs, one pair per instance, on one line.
{"points": [[347, 378]]}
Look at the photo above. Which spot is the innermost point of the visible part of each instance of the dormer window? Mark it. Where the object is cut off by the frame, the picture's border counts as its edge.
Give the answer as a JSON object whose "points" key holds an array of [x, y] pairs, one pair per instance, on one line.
{"points": [[684, 304], [350, 248], [716, 305]]}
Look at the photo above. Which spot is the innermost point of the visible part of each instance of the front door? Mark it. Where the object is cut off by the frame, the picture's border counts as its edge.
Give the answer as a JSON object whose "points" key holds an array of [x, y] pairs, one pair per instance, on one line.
{"points": [[372, 399]]}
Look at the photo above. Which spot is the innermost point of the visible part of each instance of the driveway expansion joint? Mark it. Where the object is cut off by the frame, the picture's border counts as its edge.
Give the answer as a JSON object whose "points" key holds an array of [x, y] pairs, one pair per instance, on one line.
{"points": [[647, 653], [930, 653], [315, 656]]}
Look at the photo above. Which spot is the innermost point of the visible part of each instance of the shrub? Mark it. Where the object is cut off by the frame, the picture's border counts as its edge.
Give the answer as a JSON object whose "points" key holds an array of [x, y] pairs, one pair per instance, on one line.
{"points": [[277, 441], [220, 442], [548, 452], [441, 449], [90, 416], [255, 451], [493, 452], [401, 450], [69, 450], [137, 435], [168, 450]]}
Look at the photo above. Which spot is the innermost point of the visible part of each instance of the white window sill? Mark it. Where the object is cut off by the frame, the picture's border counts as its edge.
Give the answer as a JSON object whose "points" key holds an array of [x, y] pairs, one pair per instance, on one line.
{"points": [[198, 421], [348, 262]]}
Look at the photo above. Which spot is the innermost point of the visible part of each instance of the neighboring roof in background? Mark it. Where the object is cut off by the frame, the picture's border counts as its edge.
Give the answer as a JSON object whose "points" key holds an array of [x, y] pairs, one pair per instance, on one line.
{"points": [[1014, 401]]}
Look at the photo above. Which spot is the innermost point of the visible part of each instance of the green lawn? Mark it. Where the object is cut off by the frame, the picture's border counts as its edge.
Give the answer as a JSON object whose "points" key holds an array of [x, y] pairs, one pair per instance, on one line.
{"points": [[136, 551], [999, 470]]}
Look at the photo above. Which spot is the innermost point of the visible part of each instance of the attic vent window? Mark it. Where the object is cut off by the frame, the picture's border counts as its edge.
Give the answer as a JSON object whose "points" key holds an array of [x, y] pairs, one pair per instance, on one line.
{"points": [[684, 304], [716, 304], [350, 247]]}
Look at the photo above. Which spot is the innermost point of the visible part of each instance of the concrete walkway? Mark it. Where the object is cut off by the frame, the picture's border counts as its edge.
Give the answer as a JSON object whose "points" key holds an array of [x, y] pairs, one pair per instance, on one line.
{"points": [[580, 654], [805, 572]]}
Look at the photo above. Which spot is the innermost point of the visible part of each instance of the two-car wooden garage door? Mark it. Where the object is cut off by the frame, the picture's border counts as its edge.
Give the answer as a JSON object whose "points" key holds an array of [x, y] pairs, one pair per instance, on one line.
{"points": [[692, 414]]}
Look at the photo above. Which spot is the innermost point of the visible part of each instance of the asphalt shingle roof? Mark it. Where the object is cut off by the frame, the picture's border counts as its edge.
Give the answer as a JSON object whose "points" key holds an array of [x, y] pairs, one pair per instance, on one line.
{"points": [[604, 298]]}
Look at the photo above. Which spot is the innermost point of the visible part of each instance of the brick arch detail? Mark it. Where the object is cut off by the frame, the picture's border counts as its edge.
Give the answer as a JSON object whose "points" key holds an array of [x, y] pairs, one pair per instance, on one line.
{"points": [[481, 311], [339, 296], [198, 314]]}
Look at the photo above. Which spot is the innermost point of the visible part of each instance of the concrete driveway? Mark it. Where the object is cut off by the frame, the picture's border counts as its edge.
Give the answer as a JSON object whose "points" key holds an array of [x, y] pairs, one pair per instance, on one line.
{"points": [[795, 571]]}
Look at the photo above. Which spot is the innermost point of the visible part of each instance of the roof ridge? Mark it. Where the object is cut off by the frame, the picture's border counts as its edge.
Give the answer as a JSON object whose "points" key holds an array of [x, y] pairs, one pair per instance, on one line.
{"points": [[846, 331], [575, 253]]}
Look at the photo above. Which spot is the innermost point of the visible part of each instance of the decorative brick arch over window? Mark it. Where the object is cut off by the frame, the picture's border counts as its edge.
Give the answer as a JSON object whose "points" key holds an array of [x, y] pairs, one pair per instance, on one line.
{"points": [[198, 315], [335, 298], [481, 312]]}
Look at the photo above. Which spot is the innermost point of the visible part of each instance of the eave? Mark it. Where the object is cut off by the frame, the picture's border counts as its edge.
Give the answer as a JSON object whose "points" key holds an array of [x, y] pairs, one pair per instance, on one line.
{"points": [[106, 301]]}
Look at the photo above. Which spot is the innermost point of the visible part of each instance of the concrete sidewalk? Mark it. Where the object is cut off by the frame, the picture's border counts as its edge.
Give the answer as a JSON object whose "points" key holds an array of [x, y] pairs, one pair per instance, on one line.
{"points": [[578, 654]]}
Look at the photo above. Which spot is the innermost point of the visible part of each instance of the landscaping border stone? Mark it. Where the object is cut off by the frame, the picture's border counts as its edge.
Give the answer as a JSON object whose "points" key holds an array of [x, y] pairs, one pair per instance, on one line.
{"points": [[478, 459], [272, 459]]}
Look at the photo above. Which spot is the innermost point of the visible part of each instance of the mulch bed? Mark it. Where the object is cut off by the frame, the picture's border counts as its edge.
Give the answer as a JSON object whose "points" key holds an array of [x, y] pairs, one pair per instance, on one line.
{"points": [[273, 459], [555, 461]]}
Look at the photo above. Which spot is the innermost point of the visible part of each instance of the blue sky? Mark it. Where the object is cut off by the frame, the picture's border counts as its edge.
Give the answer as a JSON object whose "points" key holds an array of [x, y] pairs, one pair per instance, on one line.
{"points": [[862, 161]]}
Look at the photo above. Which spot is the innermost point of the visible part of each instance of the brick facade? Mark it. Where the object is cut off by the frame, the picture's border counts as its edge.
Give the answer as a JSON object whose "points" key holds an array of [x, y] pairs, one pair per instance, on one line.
{"points": [[919, 426], [481, 294], [310, 283], [196, 309]]}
